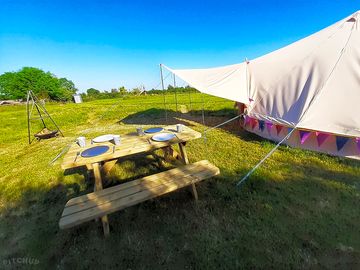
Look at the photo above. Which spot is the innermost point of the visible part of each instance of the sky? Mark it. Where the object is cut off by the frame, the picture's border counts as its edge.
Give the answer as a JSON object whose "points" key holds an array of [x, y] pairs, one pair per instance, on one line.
{"points": [[108, 44]]}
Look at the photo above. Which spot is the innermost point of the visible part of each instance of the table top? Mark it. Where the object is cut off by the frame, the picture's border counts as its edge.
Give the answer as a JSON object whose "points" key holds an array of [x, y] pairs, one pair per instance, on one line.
{"points": [[130, 144]]}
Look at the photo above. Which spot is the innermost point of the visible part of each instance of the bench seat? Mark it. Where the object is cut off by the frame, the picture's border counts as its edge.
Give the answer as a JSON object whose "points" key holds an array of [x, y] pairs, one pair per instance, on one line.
{"points": [[101, 203]]}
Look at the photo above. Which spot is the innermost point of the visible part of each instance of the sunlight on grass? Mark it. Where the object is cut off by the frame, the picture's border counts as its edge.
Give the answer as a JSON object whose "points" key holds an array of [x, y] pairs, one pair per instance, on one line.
{"points": [[301, 202]]}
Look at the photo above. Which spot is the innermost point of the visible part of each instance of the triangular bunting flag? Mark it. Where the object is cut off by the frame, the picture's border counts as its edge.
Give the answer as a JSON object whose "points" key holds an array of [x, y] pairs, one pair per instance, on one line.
{"points": [[357, 140], [253, 123], [340, 142], [304, 135], [247, 120], [278, 129], [269, 126], [261, 125], [321, 137]]}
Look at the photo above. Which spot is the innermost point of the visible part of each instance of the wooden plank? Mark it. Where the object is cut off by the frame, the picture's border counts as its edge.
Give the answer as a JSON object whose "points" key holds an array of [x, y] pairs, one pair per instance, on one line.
{"points": [[185, 160], [99, 199], [98, 186], [183, 153], [107, 207], [194, 191], [105, 224], [122, 190], [113, 206], [130, 144], [184, 170], [108, 165], [134, 140], [97, 174]]}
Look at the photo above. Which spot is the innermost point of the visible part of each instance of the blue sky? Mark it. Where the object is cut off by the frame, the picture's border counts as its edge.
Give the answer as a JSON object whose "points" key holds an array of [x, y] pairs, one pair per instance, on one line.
{"points": [[107, 44]]}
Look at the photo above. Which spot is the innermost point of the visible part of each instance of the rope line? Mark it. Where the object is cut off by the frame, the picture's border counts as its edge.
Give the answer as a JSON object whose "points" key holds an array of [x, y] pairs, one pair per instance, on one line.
{"points": [[265, 158]]}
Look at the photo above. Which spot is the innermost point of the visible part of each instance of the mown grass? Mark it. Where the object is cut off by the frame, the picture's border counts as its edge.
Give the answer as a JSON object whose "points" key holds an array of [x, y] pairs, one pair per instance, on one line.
{"points": [[299, 210]]}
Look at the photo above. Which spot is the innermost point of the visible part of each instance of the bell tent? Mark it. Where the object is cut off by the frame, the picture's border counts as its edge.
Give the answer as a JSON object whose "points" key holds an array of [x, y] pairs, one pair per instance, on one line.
{"points": [[311, 86]]}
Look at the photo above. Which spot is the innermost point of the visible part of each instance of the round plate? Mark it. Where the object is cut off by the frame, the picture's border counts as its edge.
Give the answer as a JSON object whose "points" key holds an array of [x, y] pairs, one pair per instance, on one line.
{"points": [[94, 151], [103, 138], [163, 137], [154, 130]]}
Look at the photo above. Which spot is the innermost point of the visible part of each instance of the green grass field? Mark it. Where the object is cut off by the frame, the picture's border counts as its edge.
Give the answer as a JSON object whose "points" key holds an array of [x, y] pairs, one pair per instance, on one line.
{"points": [[299, 210]]}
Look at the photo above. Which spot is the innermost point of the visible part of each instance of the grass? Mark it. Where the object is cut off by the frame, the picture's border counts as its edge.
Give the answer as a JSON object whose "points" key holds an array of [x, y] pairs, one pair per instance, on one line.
{"points": [[299, 210]]}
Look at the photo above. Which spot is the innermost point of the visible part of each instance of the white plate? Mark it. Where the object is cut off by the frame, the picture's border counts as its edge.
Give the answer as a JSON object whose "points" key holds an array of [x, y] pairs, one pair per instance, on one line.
{"points": [[163, 137], [103, 138]]}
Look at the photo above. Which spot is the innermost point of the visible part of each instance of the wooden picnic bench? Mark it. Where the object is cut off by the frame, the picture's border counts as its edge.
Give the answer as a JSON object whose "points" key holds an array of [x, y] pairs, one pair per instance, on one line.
{"points": [[102, 202]]}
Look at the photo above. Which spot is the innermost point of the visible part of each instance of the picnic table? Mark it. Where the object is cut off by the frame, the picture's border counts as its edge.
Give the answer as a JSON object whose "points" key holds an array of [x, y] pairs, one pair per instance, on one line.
{"points": [[131, 144], [87, 207]]}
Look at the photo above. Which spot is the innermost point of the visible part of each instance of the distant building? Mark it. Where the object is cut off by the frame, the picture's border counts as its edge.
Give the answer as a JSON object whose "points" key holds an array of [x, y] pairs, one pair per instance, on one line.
{"points": [[77, 98]]}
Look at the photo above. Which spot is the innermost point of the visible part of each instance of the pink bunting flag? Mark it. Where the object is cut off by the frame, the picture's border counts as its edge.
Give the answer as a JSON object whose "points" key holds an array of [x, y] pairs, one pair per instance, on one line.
{"points": [[278, 129], [304, 135], [321, 137], [269, 126], [253, 123], [357, 140], [247, 120]]}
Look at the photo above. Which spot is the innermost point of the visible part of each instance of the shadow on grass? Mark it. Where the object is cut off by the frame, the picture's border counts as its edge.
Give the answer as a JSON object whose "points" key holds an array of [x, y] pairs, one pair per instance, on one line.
{"points": [[156, 116], [297, 216]]}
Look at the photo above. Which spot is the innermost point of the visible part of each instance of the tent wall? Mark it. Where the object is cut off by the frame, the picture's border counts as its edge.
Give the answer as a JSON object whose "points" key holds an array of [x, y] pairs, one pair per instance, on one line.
{"points": [[328, 147]]}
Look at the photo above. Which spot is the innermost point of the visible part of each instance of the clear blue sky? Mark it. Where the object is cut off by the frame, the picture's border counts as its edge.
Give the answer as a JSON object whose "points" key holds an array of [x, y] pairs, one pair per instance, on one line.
{"points": [[106, 44]]}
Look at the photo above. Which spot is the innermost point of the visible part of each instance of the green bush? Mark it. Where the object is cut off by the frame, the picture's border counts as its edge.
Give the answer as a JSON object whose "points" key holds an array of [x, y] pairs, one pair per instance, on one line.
{"points": [[15, 85]]}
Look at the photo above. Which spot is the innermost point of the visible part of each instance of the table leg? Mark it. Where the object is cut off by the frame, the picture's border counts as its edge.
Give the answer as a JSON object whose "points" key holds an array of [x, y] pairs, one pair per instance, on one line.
{"points": [[97, 174], [169, 153], [98, 186], [184, 156], [186, 161], [108, 165], [166, 151], [105, 223]]}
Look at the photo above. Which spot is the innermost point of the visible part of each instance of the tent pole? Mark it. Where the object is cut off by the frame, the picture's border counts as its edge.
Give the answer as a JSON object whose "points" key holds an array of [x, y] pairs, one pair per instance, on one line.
{"points": [[203, 110], [190, 106], [163, 89], [176, 100], [28, 114]]}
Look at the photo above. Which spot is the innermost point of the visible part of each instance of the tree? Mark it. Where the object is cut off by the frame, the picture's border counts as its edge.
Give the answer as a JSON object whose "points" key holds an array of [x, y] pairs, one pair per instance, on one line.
{"points": [[122, 90], [92, 92], [15, 85], [66, 90]]}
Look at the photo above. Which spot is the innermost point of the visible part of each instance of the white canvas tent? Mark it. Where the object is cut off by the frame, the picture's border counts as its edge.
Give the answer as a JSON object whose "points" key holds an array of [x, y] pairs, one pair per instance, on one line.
{"points": [[311, 85]]}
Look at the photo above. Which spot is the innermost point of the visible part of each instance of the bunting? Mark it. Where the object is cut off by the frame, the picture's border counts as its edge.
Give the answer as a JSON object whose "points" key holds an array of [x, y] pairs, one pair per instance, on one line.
{"points": [[340, 142], [357, 140], [304, 135], [261, 125], [269, 126], [253, 122], [321, 137], [247, 120], [278, 129]]}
